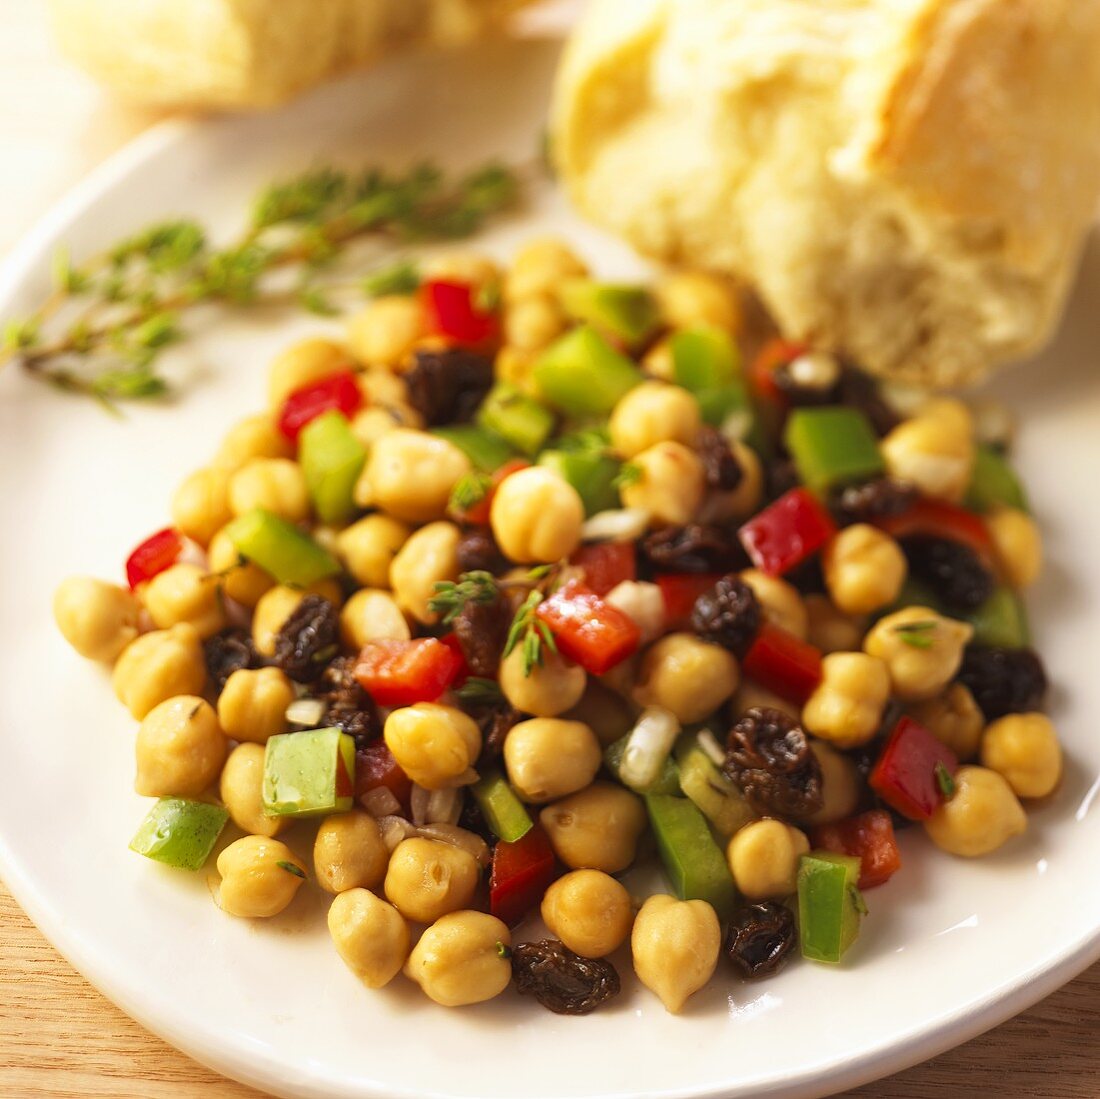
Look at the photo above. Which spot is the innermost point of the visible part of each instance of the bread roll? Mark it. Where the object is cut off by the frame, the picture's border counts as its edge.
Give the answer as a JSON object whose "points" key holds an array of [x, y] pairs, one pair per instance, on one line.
{"points": [[250, 53], [907, 182]]}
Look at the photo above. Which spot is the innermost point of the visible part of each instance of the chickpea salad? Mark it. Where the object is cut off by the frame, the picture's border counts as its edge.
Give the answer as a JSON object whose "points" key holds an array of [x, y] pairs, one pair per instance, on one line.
{"points": [[534, 579]]}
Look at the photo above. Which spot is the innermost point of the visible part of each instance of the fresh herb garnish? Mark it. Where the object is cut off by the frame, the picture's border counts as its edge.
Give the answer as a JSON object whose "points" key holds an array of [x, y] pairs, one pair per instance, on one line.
{"points": [[401, 277], [917, 635], [469, 490], [471, 587], [945, 781], [504, 951], [290, 868], [531, 632], [630, 473], [480, 692]]}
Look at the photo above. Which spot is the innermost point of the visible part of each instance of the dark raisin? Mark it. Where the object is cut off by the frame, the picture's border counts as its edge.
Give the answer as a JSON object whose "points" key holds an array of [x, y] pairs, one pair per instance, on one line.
{"points": [[482, 630], [1004, 681], [952, 570], [720, 465], [308, 639], [781, 475], [879, 499], [495, 723], [473, 820], [728, 614], [228, 652], [860, 391], [479, 552], [769, 758], [760, 939], [560, 980], [348, 706], [694, 548], [447, 385]]}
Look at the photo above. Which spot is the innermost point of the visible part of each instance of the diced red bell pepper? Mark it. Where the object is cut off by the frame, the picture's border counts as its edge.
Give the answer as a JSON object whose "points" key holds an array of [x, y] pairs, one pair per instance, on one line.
{"points": [[786, 532], [907, 775], [870, 837], [774, 354], [521, 873], [375, 766], [452, 643], [399, 673], [478, 514], [158, 552], [452, 311], [344, 785], [594, 634], [336, 393], [940, 519], [680, 590], [782, 663], [606, 564]]}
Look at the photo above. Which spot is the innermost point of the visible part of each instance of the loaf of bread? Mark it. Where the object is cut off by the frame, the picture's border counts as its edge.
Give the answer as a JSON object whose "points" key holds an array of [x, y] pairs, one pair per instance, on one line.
{"points": [[907, 182], [250, 53]]}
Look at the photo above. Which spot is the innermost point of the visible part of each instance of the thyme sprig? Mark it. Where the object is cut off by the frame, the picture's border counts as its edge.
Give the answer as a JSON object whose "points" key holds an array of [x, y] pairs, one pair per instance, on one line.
{"points": [[471, 587], [531, 632], [104, 327]]}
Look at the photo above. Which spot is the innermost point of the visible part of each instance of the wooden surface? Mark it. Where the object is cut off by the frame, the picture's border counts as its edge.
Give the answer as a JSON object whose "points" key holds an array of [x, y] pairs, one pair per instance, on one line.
{"points": [[58, 1037]]}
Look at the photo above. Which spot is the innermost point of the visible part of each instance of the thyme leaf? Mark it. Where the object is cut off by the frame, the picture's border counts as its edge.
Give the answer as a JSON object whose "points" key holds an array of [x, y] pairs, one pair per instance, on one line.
{"points": [[471, 587], [917, 635]]}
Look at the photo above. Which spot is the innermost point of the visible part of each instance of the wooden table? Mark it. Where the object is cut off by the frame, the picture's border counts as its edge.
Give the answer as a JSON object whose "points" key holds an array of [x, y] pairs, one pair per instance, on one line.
{"points": [[58, 1037]]}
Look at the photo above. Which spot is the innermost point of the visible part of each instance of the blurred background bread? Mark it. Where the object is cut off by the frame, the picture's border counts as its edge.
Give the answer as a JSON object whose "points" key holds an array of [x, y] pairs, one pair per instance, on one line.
{"points": [[251, 53], [907, 182]]}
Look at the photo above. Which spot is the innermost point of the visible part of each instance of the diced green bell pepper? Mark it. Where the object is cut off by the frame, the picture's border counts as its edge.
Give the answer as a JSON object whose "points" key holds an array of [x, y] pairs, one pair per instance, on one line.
{"points": [[180, 833], [704, 359], [503, 811], [629, 312], [280, 548], [309, 774], [830, 904], [832, 446], [331, 457], [1001, 621], [994, 483], [583, 375], [591, 473], [518, 419], [716, 797], [486, 450], [694, 863], [667, 782]]}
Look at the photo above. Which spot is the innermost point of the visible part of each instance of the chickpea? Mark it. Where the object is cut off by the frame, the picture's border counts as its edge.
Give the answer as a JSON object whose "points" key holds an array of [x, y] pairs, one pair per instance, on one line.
{"points": [[658, 361], [254, 437], [550, 688], [589, 911], [258, 878], [675, 946], [241, 580], [158, 666], [840, 784], [389, 392], [473, 268], [922, 649], [349, 852], [1024, 750], [653, 413], [241, 791], [385, 332], [536, 516], [462, 959], [1017, 544], [303, 363], [763, 859], [185, 593], [547, 758], [276, 484], [518, 368], [934, 450], [180, 748], [743, 501], [751, 695], [686, 676], [952, 718], [371, 615], [98, 619], [200, 507], [670, 484], [982, 815], [370, 936], [846, 706], [369, 425], [369, 546], [540, 267], [411, 474], [278, 604], [643, 603], [604, 712], [694, 299], [597, 828], [436, 746], [429, 557], [253, 703], [780, 602], [533, 323], [864, 569], [427, 879]]}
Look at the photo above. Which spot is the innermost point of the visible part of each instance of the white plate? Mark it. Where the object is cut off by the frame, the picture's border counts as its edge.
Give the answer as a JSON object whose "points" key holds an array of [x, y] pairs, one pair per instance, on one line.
{"points": [[950, 947]]}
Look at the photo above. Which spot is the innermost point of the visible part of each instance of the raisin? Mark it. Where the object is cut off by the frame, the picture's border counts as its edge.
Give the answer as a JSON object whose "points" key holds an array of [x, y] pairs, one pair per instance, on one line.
{"points": [[728, 614], [447, 385], [495, 723], [721, 468], [473, 820], [1004, 681], [952, 570], [760, 939], [768, 757], [860, 391], [781, 476], [308, 639], [878, 499], [696, 547], [228, 652], [348, 706], [482, 631], [560, 980], [479, 552]]}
